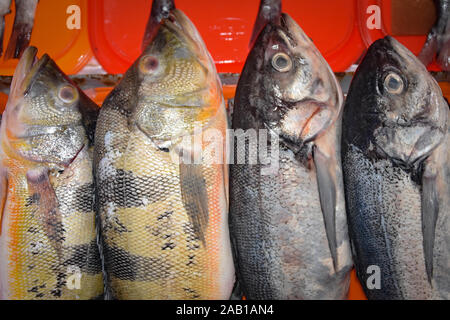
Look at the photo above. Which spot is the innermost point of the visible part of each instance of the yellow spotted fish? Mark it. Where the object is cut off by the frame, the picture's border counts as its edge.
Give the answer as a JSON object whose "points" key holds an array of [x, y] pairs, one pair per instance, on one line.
{"points": [[48, 242], [162, 197]]}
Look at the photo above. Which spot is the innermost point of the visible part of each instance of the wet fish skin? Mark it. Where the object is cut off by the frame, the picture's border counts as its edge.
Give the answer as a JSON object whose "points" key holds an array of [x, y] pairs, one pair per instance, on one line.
{"points": [[395, 163], [438, 40], [160, 10], [164, 225], [269, 10], [48, 236], [4, 10], [288, 228], [22, 28]]}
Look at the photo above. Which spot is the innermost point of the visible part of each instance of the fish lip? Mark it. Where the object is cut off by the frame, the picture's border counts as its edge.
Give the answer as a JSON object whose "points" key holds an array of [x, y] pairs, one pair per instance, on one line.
{"points": [[33, 72], [27, 70], [183, 27]]}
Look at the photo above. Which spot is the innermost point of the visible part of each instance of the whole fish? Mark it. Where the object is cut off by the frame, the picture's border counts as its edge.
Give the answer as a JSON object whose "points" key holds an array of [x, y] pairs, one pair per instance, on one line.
{"points": [[160, 10], [4, 10], [48, 238], [395, 153], [22, 28], [288, 226], [164, 221], [269, 10], [438, 40]]}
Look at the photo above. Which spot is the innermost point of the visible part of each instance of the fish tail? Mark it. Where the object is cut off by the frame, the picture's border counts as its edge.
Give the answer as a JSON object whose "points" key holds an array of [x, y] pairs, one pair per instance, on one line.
{"points": [[19, 40]]}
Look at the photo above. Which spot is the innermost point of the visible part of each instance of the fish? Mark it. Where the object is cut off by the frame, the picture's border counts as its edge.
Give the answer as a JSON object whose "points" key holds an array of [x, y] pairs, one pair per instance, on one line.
{"points": [[438, 39], [269, 10], [4, 10], [288, 224], [163, 201], [160, 10], [395, 155], [48, 233], [22, 28]]}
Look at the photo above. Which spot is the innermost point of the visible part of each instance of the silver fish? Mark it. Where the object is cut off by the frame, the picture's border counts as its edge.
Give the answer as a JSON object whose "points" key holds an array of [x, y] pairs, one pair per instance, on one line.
{"points": [[395, 153], [289, 228]]}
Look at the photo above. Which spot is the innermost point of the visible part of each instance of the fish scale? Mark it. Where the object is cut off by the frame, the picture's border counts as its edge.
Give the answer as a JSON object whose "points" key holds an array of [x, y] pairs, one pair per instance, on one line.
{"points": [[33, 258], [48, 236], [164, 223], [395, 161], [288, 224]]}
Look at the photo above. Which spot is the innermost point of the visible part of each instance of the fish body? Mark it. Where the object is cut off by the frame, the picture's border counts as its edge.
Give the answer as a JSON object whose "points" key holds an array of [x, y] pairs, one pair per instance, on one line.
{"points": [[48, 238], [160, 10], [438, 40], [4, 10], [22, 28], [395, 157], [288, 226], [164, 221]]}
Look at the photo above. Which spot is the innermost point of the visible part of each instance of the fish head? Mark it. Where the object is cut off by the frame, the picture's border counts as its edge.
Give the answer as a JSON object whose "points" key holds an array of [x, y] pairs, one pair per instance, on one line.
{"points": [[403, 104], [176, 83], [45, 115], [292, 88]]}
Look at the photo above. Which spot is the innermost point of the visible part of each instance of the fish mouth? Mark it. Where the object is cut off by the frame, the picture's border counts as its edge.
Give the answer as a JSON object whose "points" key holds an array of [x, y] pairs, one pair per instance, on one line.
{"points": [[26, 71], [180, 25], [307, 120], [294, 33]]}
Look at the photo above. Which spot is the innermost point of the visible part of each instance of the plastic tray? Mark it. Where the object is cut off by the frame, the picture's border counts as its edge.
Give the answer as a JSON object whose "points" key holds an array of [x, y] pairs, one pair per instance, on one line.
{"points": [[116, 29], [414, 42], [69, 48]]}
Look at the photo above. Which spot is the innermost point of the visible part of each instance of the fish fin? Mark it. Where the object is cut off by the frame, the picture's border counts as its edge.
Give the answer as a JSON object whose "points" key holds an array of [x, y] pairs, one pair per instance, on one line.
{"points": [[194, 196], [269, 10], [41, 191], [430, 211], [237, 293], [3, 195], [327, 194]]}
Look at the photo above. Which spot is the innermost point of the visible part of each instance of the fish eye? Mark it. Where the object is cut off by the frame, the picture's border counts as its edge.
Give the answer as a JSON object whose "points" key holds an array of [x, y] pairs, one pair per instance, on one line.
{"points": [[148, 64], [67, 94], [393, 83], [281, 62]]}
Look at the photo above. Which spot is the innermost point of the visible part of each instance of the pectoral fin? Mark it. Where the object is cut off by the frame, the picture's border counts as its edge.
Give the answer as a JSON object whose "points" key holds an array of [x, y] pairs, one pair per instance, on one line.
{"points": [[327, 192], [41, 191], [195, 197], [430, 211], [3, 195]]}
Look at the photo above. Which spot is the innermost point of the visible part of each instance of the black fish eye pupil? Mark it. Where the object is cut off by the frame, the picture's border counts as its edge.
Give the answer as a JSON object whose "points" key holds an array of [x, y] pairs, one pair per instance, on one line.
{"points": [[394, 83], [281, 62], [67, 94], [149, 64]]}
